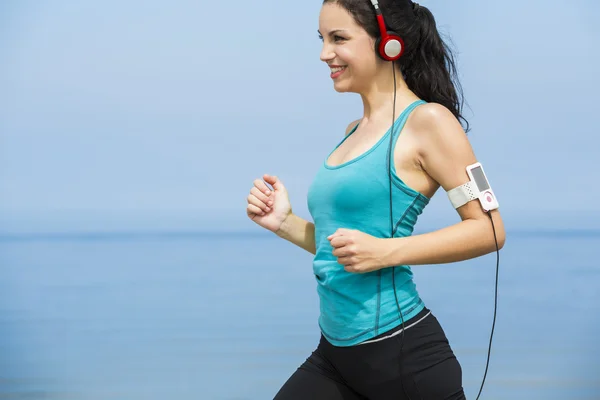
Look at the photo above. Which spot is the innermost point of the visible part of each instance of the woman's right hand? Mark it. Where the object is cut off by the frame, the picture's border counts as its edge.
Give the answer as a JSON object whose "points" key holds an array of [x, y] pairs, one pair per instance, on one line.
{"points": [[268, 208]]}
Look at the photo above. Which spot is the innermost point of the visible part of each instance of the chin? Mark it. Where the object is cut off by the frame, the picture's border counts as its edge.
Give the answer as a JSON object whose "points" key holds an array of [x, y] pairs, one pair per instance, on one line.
{"points": [[343, 87]]}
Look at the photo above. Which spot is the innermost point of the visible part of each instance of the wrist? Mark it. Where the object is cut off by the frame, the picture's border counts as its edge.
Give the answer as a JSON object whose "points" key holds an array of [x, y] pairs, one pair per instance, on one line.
{"points": [[391, 252], [286, 225]]}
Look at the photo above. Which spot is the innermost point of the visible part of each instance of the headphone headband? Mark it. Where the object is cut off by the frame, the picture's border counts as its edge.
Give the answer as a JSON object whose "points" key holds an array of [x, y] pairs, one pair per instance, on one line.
{"points": [[390, 45]]}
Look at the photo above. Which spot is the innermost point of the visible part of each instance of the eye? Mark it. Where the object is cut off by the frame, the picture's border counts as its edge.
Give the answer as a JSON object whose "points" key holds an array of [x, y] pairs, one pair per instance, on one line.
{"points": [[320, 37], [338, 38]]}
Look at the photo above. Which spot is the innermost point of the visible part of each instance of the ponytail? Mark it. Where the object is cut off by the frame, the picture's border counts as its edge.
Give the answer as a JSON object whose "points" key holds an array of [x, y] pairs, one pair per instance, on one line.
{"points": [[429, 69]]}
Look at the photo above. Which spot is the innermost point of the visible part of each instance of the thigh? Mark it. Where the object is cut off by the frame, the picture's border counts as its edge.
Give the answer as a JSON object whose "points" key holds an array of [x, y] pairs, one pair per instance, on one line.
{"points": [[443, 381], [431, 367], [316, 379], [305, 384]]}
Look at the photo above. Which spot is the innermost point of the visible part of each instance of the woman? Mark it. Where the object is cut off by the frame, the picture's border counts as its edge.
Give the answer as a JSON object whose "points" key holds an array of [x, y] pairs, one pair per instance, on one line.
{"points": [[379, 340]]}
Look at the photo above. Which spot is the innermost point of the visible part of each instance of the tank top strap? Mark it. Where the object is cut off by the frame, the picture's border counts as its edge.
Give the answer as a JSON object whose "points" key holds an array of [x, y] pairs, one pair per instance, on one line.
{"points": [[401, 121], [394, 131], [345, 137]]}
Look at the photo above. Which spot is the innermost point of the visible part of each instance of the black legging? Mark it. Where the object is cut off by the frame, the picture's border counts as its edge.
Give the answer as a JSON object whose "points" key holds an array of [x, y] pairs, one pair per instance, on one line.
{"points": [[426, 370]]}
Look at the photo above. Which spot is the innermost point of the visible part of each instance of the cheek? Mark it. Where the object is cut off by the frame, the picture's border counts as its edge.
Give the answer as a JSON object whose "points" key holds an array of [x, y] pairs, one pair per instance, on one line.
{"points": [[362, 60]]}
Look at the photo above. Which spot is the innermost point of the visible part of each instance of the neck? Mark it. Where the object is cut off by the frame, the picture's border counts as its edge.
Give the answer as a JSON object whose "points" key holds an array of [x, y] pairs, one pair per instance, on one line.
{"points": [[378, 99]]}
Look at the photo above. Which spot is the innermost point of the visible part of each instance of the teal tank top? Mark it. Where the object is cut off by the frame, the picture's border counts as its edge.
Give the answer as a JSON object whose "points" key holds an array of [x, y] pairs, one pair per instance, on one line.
{"points": [[355, 195]]}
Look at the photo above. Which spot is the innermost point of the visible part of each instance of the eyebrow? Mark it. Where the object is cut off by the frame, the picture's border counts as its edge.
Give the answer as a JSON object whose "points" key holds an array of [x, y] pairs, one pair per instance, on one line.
{"points": [[333, 32]]}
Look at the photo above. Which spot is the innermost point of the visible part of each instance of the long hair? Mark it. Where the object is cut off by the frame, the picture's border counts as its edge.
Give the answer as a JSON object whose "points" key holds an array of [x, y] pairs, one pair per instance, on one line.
{"points": [[427, 65]]}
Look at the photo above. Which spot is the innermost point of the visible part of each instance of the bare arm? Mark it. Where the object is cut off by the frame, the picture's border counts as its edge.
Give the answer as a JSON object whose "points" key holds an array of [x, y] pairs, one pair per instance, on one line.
{"points": [[298, 231], [444, 154]]}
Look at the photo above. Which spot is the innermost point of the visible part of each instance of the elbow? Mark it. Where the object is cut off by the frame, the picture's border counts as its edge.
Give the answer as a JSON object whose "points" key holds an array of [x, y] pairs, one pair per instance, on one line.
{"points": [[497, 231], [501, 241], [495, 237], [498, 240]]}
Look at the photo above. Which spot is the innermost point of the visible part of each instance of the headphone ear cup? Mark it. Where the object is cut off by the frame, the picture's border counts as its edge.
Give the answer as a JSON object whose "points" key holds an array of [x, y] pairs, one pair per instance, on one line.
{"points": [[391, 47]]}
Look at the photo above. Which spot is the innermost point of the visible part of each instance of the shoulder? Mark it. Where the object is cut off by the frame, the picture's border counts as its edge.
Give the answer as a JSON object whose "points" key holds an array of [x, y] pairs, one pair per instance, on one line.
{"points": [[442, 148], [435, 119], [435, 127], [351, 126]]}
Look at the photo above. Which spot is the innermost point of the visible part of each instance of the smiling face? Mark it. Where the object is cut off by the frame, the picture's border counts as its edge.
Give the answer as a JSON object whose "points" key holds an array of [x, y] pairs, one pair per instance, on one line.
{"points": [[347, 49]]}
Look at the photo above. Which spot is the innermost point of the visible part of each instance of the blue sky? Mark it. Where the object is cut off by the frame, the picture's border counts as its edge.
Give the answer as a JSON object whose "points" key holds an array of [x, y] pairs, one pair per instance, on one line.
{"points": [[127, 115]]}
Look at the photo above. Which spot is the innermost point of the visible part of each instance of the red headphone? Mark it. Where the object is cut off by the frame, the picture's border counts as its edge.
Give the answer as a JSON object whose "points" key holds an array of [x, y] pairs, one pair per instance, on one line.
{"points": [[390, 45]]}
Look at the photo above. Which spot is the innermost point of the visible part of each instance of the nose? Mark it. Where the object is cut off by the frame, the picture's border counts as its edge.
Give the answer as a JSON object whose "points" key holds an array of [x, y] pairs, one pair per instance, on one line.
{"points": [[327, 52]]}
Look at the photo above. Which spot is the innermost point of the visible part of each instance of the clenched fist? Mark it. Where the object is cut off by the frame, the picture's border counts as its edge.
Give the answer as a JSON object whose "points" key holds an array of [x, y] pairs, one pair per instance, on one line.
{"points": [[268, 208]]}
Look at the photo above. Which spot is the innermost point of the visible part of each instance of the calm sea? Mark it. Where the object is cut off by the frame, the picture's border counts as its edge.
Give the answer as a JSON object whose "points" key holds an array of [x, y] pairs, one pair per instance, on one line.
{"points": [[231, 316]]}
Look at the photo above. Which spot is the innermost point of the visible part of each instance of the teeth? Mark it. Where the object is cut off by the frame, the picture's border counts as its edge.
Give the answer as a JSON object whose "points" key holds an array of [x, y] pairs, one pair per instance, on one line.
{"points": [[337, 69]]}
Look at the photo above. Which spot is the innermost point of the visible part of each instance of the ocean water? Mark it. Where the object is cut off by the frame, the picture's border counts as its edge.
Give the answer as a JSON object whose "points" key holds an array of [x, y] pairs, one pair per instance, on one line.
{"points": [[231, 316]]}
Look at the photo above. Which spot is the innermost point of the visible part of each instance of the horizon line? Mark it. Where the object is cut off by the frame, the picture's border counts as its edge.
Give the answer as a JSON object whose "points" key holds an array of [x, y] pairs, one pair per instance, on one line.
{"points": [[94, 235]]}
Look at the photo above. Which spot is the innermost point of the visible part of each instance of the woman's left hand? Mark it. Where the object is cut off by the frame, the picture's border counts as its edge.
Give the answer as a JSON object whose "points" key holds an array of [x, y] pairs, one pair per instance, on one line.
{"points": [[358, 251]]}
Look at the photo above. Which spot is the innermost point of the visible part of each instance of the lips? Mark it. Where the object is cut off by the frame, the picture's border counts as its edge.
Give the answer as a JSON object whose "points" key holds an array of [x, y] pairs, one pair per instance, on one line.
{"points": [[337, 70]]}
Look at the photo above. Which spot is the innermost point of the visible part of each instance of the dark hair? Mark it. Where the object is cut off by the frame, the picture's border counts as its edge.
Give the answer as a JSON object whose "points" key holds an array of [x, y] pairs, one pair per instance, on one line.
{"points": [[427, 64]]}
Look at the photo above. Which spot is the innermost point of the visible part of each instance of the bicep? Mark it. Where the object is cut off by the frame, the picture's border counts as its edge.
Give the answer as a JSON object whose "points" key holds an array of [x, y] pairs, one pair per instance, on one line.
{"points": [[445, 152]]}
